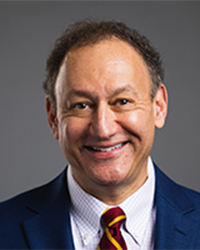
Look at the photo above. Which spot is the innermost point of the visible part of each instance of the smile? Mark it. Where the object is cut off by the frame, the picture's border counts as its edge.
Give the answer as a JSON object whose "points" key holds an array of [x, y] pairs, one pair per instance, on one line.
{"points": [[100, 149]]}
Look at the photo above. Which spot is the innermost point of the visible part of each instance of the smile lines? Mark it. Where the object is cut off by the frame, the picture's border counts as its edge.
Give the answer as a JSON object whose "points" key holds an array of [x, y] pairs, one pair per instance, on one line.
{"points": [[99, 149]]}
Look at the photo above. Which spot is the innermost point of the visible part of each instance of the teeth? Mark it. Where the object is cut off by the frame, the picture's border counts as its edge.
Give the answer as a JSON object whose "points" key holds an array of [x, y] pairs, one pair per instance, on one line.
{"points": [[107, 149]]}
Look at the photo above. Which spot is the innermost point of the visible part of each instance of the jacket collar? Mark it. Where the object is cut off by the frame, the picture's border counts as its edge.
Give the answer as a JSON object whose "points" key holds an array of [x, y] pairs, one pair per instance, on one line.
{"points": [[173, 228], [47, 229]]}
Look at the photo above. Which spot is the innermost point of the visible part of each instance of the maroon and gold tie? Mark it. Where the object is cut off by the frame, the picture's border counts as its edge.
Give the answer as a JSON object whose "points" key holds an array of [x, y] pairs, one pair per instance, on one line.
{"points": [[112, 238]]}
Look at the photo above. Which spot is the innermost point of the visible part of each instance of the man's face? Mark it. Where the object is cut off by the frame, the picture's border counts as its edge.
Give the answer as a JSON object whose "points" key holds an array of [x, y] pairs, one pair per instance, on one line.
{"points": [[105, 118]]}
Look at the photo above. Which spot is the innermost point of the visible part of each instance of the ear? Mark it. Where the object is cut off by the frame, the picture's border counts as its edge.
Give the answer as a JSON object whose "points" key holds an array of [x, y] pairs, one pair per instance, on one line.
{"points": [[52, 118], [160, 104]]}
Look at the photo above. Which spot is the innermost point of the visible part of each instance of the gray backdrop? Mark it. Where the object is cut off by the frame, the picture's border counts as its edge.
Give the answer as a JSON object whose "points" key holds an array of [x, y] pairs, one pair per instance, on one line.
{"points": [[29, 154]]}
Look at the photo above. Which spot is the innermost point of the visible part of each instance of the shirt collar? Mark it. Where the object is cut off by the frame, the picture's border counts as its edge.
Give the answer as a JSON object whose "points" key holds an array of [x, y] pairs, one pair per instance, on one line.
{"points": [[87, 210], [139, 206]]}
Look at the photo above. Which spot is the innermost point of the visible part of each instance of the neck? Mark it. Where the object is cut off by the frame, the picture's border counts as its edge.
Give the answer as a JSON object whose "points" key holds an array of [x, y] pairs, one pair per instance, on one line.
{"points": [[113, 194]]}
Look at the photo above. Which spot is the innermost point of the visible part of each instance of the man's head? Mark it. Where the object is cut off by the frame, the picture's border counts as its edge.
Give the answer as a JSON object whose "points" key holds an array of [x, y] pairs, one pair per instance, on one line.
{"points": [[89, 32], [105, 116]]}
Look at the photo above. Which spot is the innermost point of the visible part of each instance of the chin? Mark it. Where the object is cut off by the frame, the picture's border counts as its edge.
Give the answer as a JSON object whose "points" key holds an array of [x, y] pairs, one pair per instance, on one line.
{"points": [[110, 178]]}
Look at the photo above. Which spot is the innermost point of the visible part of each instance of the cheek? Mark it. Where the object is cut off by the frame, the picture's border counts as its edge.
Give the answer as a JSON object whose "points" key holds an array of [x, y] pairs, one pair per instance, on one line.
{"points": [[133, 122], [139, 124], [71, 131]]}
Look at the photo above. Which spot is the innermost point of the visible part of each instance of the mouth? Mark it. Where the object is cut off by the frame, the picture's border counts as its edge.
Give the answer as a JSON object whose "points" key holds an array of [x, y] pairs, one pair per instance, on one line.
{"points": [[106, 149]]}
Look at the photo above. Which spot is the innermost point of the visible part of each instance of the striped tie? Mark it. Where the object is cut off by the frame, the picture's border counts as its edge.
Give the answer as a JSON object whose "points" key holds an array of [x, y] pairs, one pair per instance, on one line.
{"points": [[112, 238]]}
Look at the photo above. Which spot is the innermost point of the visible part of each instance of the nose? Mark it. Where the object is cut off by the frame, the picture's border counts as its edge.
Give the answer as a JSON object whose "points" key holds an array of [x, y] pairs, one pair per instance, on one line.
{"points": [[103, 124]]}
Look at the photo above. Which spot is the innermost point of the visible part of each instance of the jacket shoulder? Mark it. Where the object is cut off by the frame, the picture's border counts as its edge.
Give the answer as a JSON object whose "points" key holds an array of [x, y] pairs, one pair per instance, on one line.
{"points": [[179, 196], [19, 207], [193, 195], [17, 210]]}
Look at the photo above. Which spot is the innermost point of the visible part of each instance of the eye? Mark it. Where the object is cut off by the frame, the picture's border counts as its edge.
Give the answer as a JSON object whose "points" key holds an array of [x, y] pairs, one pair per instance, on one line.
{"points": [[122, 101], [123, 104], [80, 105]]}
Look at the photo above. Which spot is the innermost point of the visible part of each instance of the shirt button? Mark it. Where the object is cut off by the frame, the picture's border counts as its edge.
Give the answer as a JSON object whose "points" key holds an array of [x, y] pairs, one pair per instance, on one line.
{"points": [[86, 236], [137, 234]]}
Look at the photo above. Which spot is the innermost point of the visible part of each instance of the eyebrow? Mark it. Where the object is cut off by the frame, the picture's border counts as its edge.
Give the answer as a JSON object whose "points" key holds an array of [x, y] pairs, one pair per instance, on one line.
{"points": [[81, 93], [127, 88], [91, 95]]}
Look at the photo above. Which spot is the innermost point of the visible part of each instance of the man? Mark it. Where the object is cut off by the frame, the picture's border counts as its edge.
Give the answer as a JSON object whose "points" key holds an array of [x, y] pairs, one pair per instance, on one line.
{"points": [[104, 98]]}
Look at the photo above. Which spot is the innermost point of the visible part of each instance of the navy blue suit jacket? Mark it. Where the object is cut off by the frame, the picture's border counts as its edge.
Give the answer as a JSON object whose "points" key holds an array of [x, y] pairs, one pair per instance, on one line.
{"points": [[39, 219]]}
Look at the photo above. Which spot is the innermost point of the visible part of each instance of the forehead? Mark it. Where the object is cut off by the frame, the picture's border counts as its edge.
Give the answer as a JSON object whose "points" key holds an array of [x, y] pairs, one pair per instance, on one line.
{"points": [[106, 51], [107, 63]]}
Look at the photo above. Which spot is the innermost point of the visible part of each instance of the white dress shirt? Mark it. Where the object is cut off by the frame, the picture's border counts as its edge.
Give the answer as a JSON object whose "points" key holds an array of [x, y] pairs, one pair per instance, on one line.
{"points": [[86, 211]]}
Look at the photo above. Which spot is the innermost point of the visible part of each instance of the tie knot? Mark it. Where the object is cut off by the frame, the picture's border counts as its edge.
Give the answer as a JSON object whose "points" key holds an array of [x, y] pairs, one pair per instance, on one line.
{"points": [[113, 217]]}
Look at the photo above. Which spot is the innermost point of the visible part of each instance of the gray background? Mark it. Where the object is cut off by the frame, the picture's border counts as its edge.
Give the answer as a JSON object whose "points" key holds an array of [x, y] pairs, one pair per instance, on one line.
{"points": [[29, 154]]}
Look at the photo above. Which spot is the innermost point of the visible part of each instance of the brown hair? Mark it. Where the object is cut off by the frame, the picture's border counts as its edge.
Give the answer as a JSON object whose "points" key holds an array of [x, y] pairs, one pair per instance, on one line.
{"points": [[88, 32]]}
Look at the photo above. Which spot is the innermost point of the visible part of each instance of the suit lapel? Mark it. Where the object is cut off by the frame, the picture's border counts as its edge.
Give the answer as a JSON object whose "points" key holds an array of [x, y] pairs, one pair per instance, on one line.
{"points": [[173, 228], [50, 227]]}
